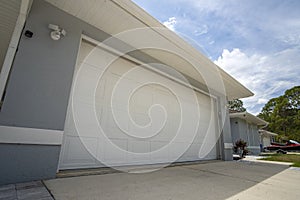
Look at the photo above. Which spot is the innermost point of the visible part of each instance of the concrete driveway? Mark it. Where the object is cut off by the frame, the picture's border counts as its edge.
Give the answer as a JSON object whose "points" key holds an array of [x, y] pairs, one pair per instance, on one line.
{"points": [[213, 180]]}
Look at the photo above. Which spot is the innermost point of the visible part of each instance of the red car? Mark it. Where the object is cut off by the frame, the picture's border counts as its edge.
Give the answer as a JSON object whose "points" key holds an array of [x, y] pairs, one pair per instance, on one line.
{"points": [[290, 145]]}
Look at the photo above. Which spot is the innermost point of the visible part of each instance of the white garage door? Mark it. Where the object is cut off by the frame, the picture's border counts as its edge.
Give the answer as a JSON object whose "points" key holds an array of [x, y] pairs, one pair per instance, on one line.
{"points": [[86, 149], [266, 141]]}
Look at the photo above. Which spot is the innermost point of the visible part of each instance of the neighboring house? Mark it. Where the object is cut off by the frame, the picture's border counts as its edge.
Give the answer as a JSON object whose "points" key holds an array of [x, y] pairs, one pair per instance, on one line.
{"points": [[38, 136], [246, 126], [266, 137]]}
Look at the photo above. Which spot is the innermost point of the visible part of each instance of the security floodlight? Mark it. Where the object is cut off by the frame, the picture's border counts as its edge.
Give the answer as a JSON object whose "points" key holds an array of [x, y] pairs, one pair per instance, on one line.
{"points": [[57, 32]]}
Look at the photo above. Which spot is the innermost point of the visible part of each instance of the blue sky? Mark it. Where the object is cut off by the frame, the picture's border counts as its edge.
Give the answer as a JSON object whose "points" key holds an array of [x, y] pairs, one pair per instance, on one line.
{"points": [[255, 41]]}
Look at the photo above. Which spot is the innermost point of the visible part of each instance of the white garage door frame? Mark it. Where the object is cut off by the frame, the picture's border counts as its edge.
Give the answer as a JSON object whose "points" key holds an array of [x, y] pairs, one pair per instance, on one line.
{"points": [[148, 67]]}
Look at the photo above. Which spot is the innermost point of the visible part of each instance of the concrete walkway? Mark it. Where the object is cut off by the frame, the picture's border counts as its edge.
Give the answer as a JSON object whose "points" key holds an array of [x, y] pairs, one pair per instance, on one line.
{"points": [[217, 180], [257, 159], [284, 185], [25, 191]]}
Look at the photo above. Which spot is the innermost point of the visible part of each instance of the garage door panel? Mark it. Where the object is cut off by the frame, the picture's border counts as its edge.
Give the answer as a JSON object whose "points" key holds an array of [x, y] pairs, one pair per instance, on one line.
{"points": [[138, 149], [159, 157], [143, 96], [266, 141], [211, 155], [70, 128], [193, 152], [204, 100], [86, 83], [93, 58], [85, 50], [157, 144], [120, 67], [169, 131], [176, 149], [114, 157], [74, 154], [112, 130], [87, 128], [140, 118]]}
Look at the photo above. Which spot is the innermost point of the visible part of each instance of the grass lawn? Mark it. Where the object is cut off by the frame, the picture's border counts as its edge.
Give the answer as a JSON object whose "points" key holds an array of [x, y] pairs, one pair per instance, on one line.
{"points": [[293, 158]]}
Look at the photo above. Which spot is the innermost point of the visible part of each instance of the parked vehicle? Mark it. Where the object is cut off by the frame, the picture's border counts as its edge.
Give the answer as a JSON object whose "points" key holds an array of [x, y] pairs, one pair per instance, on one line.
{"points": [[290, 145]]}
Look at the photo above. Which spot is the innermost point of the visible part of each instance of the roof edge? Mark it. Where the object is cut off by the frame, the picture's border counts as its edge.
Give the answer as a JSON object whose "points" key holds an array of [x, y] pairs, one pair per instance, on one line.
{"points": [[249, 117]]}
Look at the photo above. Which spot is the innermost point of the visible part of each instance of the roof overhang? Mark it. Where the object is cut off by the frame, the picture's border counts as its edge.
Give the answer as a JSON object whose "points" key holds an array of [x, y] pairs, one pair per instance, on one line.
{"points": [[249, 118], [116, 16], [9, 12], [267, 133]]}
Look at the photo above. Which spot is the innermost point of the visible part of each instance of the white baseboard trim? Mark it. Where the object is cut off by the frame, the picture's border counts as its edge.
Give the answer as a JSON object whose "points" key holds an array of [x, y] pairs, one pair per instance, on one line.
{"points": [[228, 145], [253, 147], [23, 135]]}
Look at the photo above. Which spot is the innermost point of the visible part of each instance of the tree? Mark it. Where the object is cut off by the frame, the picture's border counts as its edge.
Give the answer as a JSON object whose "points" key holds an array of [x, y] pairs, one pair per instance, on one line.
{"points": [[236, 106], [283, 114]]}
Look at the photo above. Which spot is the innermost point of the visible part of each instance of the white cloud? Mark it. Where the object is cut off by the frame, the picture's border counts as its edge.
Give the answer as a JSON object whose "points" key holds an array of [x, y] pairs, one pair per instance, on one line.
{"points": [[170, 23], [262, 101], [201, 30], [267, 61], [265, 75], [280, 26]]}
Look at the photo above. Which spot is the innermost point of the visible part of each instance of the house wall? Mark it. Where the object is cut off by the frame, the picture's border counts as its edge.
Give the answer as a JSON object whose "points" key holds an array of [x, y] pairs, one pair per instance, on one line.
{"points": [[38, 91], [235, 133], [40, 81], [238, 129], [226, 137], [266, 140], [22, 162], [254, 143], [241, 129]]}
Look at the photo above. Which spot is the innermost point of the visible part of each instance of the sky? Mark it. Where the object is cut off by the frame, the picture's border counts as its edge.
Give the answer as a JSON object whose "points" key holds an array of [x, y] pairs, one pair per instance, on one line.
{"points": [[255, 41]]}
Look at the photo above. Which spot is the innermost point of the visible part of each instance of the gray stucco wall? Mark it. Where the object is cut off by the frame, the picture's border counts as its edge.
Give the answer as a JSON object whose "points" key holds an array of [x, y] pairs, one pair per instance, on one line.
{"points": [[38, 91], [240, 129], [256, 136], [243, 130], [21, 163], [41, 77], [226, 130], [235, 133]]}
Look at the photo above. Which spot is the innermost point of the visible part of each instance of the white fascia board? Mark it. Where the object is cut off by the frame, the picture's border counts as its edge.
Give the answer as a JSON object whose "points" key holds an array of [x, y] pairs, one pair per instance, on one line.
{"points": [[267, 133], [249, 118]]}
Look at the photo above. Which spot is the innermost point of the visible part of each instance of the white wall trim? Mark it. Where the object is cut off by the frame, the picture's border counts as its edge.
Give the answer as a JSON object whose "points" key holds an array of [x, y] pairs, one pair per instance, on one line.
{"points": [[253, 147], [13, 45], [22, 135], [228, 145]]}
